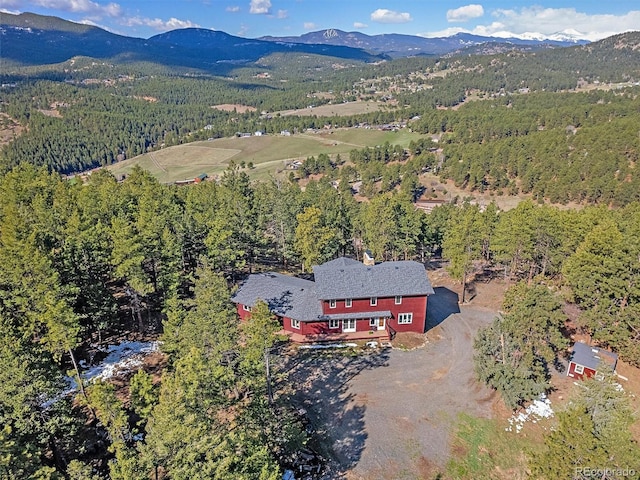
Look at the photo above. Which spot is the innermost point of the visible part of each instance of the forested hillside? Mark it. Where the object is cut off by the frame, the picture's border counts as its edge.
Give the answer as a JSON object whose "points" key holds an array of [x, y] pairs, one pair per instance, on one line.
{"points": [[523, 127], [80, 263]]}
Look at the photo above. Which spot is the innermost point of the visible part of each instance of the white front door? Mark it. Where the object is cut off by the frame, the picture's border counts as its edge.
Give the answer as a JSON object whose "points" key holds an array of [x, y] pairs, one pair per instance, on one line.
{"points": [[377, 323]]}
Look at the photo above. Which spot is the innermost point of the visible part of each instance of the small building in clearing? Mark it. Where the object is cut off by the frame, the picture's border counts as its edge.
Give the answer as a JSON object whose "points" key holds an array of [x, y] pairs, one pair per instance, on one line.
{"points": [[586, 361]]}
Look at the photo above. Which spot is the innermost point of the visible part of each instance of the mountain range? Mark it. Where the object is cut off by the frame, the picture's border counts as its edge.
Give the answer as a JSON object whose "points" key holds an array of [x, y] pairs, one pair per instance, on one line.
{"points": [[397, 45], [30, 39]]}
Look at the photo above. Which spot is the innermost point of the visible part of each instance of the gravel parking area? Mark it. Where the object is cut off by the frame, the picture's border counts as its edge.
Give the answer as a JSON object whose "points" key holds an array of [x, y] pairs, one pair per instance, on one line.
{"points": [[390, 414]]}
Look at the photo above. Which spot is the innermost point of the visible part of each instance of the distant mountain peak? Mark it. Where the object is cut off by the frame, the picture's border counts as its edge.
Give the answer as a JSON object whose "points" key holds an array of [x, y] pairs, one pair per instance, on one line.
{"points": [[399, 45]]}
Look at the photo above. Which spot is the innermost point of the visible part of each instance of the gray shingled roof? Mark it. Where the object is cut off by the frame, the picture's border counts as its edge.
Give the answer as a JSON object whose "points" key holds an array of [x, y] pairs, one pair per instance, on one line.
{"points": [[339, 263], [346, 278], [340, 278], [286, 296], [592, 357]]}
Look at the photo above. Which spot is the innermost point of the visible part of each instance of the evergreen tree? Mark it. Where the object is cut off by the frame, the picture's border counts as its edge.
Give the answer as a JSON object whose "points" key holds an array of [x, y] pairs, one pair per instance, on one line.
{"points": [[314, 238], [462, 243], [516, 353]]}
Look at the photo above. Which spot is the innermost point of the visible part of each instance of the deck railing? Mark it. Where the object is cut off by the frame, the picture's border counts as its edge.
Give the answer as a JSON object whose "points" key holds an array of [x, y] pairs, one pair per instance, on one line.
{"points": [[392, 332]]}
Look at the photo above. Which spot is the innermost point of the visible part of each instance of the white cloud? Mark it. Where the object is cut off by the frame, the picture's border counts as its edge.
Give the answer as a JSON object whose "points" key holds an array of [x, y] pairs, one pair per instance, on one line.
{"points": [[382, 15], [465, 13], [552, 20], [359, 25], [232, 9], [539, 22], [447, 32], [158, 24], [260, 7], [75, 6], [282, 14], [10, 12], [309, 26]]}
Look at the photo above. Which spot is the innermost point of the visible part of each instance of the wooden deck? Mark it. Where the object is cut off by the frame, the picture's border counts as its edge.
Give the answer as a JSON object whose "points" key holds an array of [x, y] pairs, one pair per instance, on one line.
{"points": [[378, 336]]}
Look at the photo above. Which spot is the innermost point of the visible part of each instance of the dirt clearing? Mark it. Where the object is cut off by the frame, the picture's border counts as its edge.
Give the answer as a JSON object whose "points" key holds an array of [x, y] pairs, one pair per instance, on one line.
{"points": [[391, 414]]}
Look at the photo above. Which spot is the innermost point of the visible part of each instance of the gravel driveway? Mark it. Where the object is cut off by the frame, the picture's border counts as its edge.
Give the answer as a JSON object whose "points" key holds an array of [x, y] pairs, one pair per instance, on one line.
{"points": [[389, 415]]}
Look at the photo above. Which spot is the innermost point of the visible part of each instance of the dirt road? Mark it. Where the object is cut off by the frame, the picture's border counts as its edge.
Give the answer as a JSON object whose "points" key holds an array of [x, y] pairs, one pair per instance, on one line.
{"points": [[390, 415]]}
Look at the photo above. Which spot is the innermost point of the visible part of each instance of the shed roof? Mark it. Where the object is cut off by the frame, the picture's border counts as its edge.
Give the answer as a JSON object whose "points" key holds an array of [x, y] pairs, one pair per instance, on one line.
{"points": [[347, 278], [592, 357]]}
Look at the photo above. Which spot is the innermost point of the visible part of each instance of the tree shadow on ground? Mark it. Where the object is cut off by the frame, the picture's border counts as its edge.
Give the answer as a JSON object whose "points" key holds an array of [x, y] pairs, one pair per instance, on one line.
{"points": [[320, 385], [440, 306]]}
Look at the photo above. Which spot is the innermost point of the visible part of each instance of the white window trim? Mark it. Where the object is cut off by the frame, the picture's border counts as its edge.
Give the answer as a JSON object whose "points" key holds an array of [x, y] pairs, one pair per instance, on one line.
{"points": [[405, 318], [295, 324], [348, 303], [373, 301], [334, 324], [579, 369], [246, 308], [373, 322], [349, 330], [398, 300], [332, 304]]}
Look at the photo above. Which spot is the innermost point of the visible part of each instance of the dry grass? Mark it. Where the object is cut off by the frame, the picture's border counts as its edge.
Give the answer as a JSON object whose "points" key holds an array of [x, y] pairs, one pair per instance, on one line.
{"points": [[409, 340], [338, 109], [9, 129], [180, 162], [269, 153], [230, 107]]}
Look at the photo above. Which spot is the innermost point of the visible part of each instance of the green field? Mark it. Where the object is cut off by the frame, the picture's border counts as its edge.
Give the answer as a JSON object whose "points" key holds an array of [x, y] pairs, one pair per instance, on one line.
{"points": [[338, 109], [269, 154]]}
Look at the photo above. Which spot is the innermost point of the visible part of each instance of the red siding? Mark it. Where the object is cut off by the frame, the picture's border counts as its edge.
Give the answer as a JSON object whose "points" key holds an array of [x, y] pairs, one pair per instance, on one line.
{"points": [[322, 328], [242, 313], [416, 305], [588, 372]]}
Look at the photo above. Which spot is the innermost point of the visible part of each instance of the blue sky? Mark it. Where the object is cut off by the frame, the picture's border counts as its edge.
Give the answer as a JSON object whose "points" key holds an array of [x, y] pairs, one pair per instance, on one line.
{"points": [[255, 18]]}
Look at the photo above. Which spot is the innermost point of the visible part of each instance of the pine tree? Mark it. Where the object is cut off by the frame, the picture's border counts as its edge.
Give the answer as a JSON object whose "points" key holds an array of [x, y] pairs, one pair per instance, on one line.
{"points": [[515, 354], [313, 238], [462, 243]]}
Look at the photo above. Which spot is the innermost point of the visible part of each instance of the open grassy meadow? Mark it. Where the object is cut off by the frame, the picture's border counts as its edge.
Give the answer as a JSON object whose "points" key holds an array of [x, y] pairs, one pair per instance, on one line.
{"points": [[269, 154], [338, 109]]}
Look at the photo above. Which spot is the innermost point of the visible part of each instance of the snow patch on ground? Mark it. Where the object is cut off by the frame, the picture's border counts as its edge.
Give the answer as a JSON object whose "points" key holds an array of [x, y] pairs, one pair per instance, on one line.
{"points": [[124, 357], [538, 410]]}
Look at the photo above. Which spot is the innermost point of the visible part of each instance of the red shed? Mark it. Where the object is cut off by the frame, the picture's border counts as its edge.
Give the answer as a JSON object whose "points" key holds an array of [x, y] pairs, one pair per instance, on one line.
{"points": [[585, 361]]}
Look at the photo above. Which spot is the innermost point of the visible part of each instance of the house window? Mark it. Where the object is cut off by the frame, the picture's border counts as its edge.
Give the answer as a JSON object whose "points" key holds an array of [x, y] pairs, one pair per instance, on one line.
{"points": [[332, 304], [349, 325], [246, 308], [579, 369], [334, 323], [405, 318], [373, 322], [295, 324], [373, 301], [398, 300], [348, 303]]}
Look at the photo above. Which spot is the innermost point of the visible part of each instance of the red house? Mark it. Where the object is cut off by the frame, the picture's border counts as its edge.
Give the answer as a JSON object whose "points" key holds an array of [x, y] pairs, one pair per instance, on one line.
{"points": [[347, 301], [585, 361]]}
